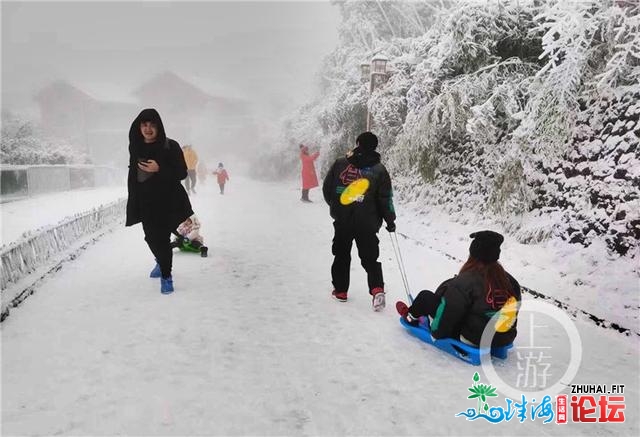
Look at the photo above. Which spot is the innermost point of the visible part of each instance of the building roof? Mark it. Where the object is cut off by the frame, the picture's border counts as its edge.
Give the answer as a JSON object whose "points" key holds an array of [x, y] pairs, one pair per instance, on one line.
{"points": [[63, 88], [169, 83], [109, 92], [216, 89]]}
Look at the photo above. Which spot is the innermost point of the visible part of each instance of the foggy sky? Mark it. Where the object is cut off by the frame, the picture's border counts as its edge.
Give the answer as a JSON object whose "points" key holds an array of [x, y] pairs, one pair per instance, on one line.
{"points": [[266, 51]]}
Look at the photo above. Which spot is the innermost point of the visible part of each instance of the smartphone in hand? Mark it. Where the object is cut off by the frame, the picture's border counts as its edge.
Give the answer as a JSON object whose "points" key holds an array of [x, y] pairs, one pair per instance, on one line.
{"points": [[143, 162], [143, 173]]}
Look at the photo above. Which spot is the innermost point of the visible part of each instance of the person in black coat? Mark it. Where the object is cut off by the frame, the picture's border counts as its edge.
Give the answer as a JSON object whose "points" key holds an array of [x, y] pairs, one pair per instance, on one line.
{"points": [[462, 306], [156, 195], [358, 191]]}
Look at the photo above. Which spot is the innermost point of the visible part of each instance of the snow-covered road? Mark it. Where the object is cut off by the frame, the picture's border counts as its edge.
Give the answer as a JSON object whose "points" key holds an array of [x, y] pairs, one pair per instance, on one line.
{"points": [[251, 343]]}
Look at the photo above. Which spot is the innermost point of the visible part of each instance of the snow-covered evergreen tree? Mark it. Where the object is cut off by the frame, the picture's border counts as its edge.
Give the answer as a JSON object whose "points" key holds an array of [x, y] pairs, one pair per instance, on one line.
{"points": [[490, 107]]}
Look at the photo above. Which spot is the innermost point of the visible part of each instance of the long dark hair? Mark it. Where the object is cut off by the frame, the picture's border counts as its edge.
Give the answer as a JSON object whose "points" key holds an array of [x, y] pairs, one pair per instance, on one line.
{"points": [[495, 276]]}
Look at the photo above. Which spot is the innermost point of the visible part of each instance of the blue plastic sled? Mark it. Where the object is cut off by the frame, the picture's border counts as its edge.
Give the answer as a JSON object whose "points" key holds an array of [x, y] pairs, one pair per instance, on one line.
{"points": [[467, 353]]}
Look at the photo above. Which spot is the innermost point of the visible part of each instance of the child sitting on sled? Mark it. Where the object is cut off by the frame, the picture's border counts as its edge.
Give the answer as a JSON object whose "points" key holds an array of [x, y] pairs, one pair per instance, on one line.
{"points": [[188, 238], [462, 306]]}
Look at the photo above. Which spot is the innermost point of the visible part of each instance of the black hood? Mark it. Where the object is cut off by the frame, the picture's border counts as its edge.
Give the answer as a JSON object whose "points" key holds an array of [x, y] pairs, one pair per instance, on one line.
{"points": [[149, 114], [361, 158]]}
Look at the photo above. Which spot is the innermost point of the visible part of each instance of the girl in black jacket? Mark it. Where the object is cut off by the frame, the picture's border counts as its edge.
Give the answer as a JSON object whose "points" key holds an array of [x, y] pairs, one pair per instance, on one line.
{"points": [[462, 306], [156, 196]]}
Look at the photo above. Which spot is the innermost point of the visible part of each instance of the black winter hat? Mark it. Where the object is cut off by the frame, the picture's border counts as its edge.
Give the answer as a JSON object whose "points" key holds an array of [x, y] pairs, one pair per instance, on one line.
{"points": [[367, 141], [485, 246]]}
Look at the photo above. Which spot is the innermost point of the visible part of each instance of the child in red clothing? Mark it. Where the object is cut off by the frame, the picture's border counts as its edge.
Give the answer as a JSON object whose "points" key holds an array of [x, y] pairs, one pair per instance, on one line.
{"points": [[223, 177]]}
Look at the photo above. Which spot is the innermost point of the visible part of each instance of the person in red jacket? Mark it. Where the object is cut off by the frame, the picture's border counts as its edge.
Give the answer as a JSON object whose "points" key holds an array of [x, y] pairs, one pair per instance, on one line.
{"points": [[309, 178], [222, 175]]}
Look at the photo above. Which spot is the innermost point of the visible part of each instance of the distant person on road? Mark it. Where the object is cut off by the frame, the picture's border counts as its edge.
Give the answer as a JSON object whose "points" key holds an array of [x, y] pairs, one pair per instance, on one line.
{"points": [[309, 178], [191, 158], [462, 306], [202, 171], [358, 191], [222, 175], [156, 195]]}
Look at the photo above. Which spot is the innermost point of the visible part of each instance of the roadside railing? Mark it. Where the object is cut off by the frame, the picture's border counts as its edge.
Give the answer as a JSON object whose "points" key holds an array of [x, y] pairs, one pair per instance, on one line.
{"points": [[20, 181]]}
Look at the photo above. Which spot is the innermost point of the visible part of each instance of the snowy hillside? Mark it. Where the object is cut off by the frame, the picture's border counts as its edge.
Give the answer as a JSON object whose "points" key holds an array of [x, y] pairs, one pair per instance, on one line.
{"points": [[523, 112]]}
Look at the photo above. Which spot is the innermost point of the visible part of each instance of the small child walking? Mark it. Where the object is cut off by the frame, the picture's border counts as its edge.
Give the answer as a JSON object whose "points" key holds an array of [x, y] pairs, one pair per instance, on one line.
{"points": [[222, 175]]}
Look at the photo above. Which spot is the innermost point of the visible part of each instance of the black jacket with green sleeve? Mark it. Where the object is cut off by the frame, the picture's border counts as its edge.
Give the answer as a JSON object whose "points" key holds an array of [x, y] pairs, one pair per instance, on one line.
{"points": [[466, 307]]}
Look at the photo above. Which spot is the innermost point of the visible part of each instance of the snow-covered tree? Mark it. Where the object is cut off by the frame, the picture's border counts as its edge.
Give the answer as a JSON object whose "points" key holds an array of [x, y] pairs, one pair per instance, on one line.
{"points": [[23, 143], [488, 106], [620, 42]]}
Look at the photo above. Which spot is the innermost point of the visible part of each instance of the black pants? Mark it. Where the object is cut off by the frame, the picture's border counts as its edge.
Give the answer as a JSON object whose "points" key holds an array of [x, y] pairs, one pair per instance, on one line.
{"points": [[305, 194], [191, 180], [368, 251], [158, 237], [221, 188], [425, 304]]}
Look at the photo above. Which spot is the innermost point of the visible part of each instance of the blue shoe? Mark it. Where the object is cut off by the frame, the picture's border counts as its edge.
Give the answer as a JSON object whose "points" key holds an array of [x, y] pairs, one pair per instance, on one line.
{"points": [[155, 273], [166, 285]]}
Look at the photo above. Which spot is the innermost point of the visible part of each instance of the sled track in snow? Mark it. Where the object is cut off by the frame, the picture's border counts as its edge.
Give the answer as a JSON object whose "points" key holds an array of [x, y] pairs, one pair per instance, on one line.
{"points": [[570, 309]]}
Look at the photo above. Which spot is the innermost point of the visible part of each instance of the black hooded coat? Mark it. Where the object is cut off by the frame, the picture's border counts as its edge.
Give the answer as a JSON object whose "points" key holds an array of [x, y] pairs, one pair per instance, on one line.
{"points": [[161, 198], [376, 203]]}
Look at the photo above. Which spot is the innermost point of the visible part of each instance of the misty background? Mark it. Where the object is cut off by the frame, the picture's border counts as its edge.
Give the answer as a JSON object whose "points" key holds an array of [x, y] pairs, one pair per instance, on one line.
{"points": [[220, 73]]}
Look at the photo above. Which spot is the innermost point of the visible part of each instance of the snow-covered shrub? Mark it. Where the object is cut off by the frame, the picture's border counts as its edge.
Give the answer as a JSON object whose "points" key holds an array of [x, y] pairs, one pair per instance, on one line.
{"points": [[620, 46], [509, 193], [22, 143], [569, 30]]}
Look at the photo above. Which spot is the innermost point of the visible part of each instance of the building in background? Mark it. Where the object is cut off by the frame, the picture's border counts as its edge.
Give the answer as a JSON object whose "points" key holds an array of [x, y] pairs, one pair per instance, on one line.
{"points": [[91, 125], [195, 113], [65, 111], [109, 122], [97, 120]]}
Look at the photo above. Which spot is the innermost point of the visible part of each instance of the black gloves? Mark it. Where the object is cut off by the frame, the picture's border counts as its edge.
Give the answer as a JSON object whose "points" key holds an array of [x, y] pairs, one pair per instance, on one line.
{"points": [[391, 227]]}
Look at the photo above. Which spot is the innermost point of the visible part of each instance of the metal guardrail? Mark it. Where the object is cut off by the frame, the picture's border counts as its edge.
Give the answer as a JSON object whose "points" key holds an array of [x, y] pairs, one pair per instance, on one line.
{"points": [[20, 181], [48, 248]]}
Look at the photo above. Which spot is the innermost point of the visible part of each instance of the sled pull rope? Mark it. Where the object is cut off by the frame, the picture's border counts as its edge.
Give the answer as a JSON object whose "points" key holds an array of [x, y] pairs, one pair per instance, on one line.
{"points": [[403, 273]]}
